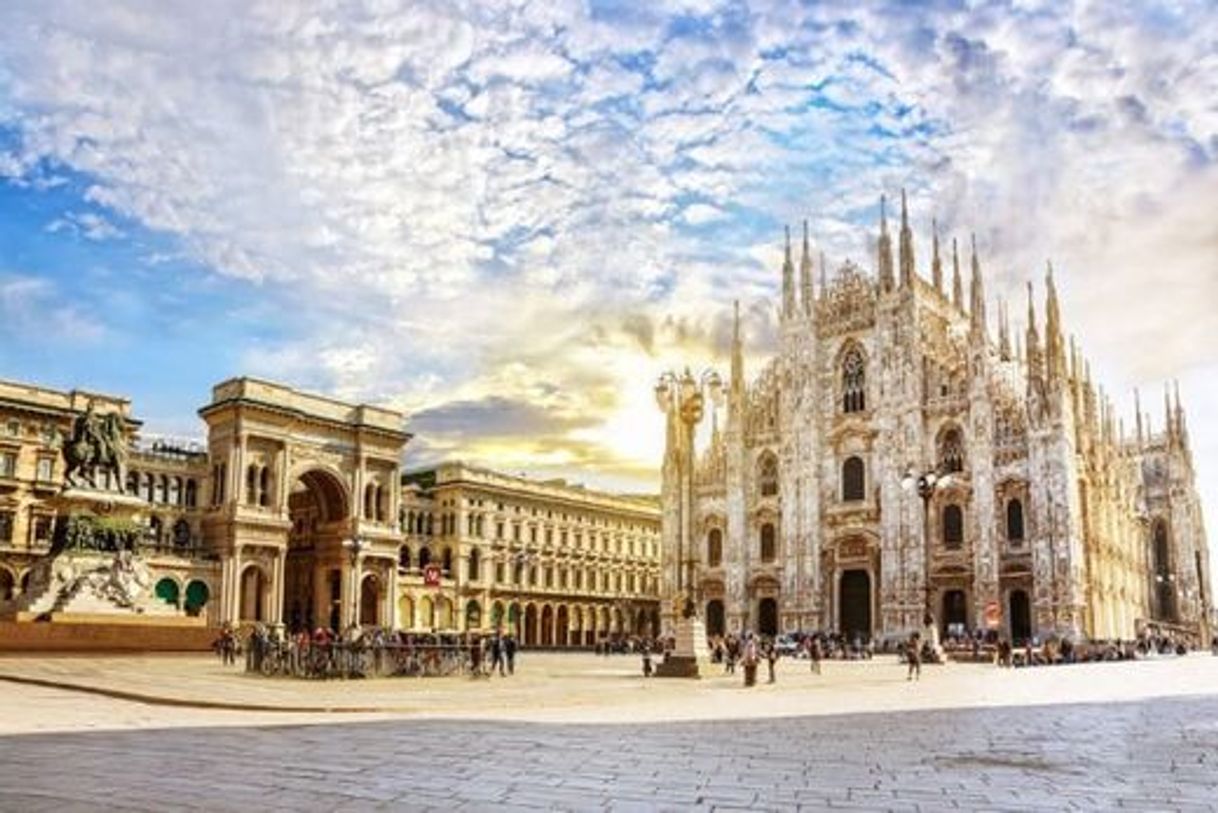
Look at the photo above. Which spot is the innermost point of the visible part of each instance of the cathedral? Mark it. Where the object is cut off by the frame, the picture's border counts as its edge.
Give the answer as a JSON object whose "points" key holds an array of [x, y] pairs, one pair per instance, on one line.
{"points": [[894, 467]]}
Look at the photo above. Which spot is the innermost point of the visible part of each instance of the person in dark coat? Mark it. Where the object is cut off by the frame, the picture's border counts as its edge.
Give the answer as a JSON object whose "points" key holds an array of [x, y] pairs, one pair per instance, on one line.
{"points": [[509, 652], [497, 654], [913, 653]]}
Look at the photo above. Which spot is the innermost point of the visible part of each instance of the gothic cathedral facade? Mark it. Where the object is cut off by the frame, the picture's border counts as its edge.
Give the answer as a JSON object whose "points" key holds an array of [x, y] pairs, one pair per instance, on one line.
{"points": [[895, 465]]}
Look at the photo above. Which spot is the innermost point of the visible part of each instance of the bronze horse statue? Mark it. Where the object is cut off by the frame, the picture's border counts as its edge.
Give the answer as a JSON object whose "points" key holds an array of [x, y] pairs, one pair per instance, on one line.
{"points": [[98, 444]]}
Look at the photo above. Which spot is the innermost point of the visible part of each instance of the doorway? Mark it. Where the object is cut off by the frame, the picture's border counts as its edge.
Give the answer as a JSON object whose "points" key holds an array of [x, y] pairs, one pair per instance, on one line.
{"points": [[767, 617], [854, 599]]}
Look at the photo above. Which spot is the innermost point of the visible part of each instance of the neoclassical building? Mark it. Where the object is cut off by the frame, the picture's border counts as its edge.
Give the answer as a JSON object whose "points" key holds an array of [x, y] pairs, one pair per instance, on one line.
{"points": [[1042, 515], [295, 511], [558, 564]]}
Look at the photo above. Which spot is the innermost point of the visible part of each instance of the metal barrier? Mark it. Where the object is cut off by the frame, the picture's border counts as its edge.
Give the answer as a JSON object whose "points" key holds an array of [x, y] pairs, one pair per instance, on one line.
{"points": [[342, 660]]}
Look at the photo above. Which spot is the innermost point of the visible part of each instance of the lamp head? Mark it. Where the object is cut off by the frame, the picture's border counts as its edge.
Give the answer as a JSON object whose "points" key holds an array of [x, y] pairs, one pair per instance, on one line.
{"points": [[663, 390]]}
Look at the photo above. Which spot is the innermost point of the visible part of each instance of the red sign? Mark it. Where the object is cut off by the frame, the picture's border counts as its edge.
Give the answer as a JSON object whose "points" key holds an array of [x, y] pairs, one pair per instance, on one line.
{"points": [[431, 575], [993, 615]]}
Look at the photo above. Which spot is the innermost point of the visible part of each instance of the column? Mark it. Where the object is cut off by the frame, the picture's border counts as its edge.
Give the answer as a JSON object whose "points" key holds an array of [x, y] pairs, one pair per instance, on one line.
{"points": [[228, 589], [277, 588], [390, 614]]}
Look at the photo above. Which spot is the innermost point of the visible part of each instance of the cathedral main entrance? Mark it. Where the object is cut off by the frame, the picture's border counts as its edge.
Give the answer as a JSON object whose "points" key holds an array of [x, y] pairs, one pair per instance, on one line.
{"points": [[854, 604], [714, 618], [1021, 617], [767, 617]]}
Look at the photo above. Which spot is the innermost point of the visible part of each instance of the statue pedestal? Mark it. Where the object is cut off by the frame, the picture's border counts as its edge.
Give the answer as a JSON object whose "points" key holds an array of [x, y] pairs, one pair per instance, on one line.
{"points": [[689, 652]]}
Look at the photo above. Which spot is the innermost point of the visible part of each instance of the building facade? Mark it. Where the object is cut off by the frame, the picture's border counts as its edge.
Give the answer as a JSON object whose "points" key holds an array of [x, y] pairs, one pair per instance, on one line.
{"points": [[295, 511], [559, 565], [811, 509]]}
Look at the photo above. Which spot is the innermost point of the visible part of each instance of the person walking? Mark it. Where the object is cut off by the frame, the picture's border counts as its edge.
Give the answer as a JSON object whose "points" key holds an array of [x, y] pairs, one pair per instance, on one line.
{"points": [[913, 654], [509, 652], [646, 660], [814, 653], [771, 657], [497, 653], [749, 660]]}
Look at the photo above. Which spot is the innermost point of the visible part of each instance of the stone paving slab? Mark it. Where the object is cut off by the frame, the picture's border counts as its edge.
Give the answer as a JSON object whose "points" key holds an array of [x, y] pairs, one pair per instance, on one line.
{"points": [[587, 688], [1096, 756]]}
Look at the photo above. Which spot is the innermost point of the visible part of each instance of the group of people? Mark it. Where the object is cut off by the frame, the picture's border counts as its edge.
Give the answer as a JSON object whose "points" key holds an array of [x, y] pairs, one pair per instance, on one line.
{"points": [[358, 651]]}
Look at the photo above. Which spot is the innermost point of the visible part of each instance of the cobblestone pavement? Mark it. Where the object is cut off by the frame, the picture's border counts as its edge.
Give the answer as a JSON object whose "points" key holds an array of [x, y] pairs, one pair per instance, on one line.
{"points": [[1156, 754]]}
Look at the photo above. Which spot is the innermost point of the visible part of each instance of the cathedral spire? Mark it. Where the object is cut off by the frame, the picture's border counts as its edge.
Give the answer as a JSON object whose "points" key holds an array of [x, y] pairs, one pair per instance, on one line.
{"points": [[906, 247], [957, 283], [805, 275], [1035, 363], [1167, 412], [1054, 346], [977, 293], [1137, 408], [884, 248], [1004, 331], [936, 265], [737, 352], [824, 275], [788, 280]]}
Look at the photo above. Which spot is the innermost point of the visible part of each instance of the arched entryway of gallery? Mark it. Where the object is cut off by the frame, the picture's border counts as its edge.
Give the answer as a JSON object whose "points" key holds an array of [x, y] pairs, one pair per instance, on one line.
{"points": [[168, 590], [530, 625], [196, 598], [562, 625], [641, 623], [370, 601], [515, 622], [547, 625], [8, 584], [255, 594], [406, 618], [715, 619], [854, 604], [318, 507]]}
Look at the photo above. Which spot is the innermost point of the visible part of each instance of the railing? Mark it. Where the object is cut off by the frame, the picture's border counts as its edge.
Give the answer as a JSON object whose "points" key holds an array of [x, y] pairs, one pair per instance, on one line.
{"points": [[359, 659]]}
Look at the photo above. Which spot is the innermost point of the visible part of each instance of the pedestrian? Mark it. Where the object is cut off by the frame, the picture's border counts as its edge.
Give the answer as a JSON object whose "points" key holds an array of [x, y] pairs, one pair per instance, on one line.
{"points": [[814, 654], [749, 660], [771, 657], [497, 653], [475, 655], [646, 660], [509, 652], [913, 654]]}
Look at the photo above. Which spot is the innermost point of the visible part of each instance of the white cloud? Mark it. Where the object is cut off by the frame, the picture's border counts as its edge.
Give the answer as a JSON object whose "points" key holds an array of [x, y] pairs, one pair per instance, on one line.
{"points": [[436, 191]]}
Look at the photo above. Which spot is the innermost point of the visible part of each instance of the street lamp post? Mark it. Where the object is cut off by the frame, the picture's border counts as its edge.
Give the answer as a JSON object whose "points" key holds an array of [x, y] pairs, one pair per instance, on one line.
{"points": [[684, 396], [354, 547], [925, 485]]}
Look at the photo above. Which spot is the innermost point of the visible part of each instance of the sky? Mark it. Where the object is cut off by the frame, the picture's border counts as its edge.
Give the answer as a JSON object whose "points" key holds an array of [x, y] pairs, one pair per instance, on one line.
{"points": [[507, 219]]}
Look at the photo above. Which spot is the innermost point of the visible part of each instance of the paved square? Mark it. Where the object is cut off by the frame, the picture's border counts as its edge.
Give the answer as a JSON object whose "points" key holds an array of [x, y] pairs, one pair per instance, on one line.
{"points": [[1145, 747]]}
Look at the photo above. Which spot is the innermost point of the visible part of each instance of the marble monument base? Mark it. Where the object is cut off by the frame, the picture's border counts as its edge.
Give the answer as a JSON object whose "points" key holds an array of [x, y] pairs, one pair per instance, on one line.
{"points": [[689, 652]]}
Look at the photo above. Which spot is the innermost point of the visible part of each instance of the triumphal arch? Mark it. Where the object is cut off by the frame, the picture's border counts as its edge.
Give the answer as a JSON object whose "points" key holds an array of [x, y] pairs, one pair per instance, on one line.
{"points": [[303, 506]]}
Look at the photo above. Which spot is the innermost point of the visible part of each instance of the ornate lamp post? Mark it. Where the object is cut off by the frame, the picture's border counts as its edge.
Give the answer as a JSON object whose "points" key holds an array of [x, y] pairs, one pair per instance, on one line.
{"points": [[354, 547], [926, 484], [683, 397]]}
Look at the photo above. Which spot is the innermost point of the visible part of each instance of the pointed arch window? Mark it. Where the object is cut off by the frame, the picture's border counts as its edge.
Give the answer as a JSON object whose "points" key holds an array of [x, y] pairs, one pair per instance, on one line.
{"points": [[953, 527], [767, 476], [951, 451], [854, 482], [768, 542], [1015, 531], [854, 381], [714, 548]]}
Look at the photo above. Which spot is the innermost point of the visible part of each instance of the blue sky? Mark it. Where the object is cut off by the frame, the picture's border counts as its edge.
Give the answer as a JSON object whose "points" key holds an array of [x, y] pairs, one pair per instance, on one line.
{"points": [[507, 218]]}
